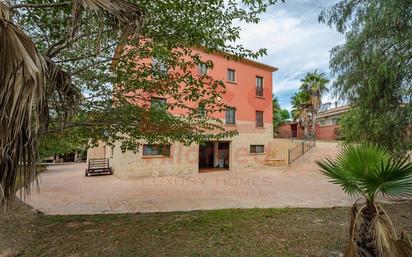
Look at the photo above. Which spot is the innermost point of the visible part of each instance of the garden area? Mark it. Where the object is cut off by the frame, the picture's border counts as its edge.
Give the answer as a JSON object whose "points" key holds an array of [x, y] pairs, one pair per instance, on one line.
{"points": [[234, 232]]}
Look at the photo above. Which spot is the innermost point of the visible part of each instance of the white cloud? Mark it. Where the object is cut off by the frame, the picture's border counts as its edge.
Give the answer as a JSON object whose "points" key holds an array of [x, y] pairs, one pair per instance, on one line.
{"points": [[295, 41]]}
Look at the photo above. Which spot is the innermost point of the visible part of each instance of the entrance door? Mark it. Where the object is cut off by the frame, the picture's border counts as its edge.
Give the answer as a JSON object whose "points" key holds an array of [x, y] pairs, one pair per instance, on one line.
{"points": [[214, 156], [206, 155], [294, 130]]}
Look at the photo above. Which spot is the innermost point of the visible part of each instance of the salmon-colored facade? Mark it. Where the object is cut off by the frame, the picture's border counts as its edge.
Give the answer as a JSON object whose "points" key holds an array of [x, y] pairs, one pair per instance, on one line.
{"points": [[249, 93], [241, 94]]}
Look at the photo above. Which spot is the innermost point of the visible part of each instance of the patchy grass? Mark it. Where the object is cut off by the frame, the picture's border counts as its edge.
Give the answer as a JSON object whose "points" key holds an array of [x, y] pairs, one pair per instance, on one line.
{"points": [[236, 232]]}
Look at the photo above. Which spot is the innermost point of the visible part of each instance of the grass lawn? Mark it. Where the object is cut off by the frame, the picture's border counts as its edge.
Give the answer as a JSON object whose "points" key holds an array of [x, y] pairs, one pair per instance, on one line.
{"points": [[236, 232]]}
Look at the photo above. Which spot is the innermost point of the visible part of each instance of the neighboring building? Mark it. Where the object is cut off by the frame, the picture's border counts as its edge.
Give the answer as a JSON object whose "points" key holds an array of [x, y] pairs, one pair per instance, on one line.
{"points": [[327, 124], [248, 99]]}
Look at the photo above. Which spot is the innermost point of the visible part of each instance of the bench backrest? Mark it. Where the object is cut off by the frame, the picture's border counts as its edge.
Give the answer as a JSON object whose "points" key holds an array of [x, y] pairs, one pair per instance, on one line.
{"points": [[98, 163]]}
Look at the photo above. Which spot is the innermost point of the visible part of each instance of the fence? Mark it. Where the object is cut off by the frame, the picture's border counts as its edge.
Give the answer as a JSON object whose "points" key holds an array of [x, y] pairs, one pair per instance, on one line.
{"points": [[300, 149]]}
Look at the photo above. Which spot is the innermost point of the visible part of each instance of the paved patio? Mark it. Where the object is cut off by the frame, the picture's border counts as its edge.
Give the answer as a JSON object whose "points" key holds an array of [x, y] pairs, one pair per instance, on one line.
{"points": [[65, 190]]}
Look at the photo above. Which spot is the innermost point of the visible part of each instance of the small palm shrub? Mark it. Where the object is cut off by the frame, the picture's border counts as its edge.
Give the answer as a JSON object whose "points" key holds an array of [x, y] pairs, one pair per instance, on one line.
{"points": [[368, 171]]}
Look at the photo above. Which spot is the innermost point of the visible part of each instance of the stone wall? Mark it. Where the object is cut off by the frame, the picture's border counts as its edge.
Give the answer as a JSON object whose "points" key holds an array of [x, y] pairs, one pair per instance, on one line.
{"points": [[96, 152], [184, 159], [240, 156]]}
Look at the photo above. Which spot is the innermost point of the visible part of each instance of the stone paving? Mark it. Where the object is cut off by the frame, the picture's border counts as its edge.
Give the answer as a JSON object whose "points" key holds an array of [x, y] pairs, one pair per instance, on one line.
{"points": [[65, 190]]}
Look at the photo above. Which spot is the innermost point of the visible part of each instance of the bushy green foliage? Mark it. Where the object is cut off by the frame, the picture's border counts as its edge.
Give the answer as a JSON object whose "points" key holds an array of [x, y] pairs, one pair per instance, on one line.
{"points": [[69, 141], [373, 70], [284, 114], [169, 33], [279, 115], [369, 170]]}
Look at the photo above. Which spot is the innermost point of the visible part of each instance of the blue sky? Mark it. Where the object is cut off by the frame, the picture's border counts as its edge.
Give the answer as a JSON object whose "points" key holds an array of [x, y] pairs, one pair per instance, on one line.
{"points": [[295, 41]]}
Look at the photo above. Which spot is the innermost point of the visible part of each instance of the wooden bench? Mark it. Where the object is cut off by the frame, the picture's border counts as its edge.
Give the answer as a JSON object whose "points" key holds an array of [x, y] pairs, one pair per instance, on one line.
{"points": [[98, 167]]}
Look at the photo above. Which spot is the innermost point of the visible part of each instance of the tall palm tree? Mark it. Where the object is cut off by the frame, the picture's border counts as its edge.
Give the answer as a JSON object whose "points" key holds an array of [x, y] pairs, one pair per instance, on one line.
{"points": [[368, 171], [316, 85], [30, 83], [300, 109], [276, 104]]}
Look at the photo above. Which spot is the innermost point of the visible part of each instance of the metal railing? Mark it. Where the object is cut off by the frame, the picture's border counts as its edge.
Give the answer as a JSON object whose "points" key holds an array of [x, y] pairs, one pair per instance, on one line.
{"points": [[300, 149]]}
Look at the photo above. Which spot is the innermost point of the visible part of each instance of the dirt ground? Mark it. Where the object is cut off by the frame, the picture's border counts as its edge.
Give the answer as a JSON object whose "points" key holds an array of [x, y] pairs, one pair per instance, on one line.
{"points": [[65, 190]]}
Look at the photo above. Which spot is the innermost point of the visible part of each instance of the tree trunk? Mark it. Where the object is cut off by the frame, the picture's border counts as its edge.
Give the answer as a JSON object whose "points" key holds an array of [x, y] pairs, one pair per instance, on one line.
{"points": [[365, 234], [305, 131], [314, 123]]}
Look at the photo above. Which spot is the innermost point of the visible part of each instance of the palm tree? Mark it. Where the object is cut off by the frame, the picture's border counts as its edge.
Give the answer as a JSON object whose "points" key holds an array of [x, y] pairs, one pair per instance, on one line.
{"points": [[300, 109], [276, 105], [31, 84], [276, 115], [316, 85], [368, 171]]}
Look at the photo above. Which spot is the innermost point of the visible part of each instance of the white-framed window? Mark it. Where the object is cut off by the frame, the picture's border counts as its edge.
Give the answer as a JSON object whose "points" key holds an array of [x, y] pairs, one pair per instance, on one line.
{"points": [[259, 86], [230, 115], [202, 69], [231, 75], [257, 149], [156, 150]]}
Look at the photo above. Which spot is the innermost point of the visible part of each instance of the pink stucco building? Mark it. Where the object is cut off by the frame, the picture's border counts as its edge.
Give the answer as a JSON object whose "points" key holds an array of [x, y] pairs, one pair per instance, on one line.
{"points": [[248, 101]]}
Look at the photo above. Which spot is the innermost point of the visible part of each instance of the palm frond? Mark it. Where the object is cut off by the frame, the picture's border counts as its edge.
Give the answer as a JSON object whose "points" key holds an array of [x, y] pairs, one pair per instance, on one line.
{"points": [[385, 239], [403, 246], [373, 234], [4, 11], [120, 11], [61, 93], [352, 250], [28, 83], [337, 176], [397, 176], [369, 170], [315, 84], [22, 84]]}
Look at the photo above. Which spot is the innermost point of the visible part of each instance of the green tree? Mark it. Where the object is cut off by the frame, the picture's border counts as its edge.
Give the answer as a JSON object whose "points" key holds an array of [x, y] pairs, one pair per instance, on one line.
{"points": [[301, 108], [284, 114], [373, 70], [275, 104], [315, 84], [276, 115], [69, 141], [368, 170], [63, 58], [279, 115]]}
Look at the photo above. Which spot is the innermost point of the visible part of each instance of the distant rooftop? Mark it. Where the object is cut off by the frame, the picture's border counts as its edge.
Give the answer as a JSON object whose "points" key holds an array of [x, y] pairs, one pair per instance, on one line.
{"points": [[326, 110]]}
